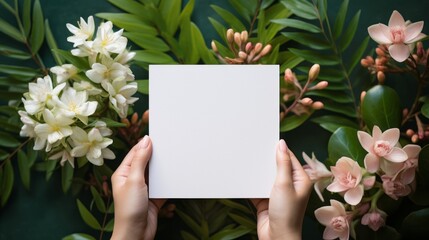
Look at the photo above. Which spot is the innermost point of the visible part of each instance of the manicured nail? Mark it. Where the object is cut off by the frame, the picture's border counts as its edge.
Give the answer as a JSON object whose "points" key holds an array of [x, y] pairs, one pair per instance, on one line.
{"points": [[144, 142], [282, 146]]}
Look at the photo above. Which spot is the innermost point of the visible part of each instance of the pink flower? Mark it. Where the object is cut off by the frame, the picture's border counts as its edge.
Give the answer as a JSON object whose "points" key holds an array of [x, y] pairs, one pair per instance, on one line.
{"points": [[335, 219], [381, 145], [375, 219], [347, 180], [395, 188], [397, 36], [318, 173]]}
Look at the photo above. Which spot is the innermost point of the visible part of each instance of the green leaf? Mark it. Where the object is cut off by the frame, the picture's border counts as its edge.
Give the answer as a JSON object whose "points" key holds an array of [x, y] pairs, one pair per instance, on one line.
{"points": [[235, 205], [425, 109], [341, 18], [314, 57], [26, 16], [24, 169], [357, 55], [109, 226], [414, 225], [386, 232], [78, 62], [37, 29], [87, 216], [244, 7], [7, 140], [110, 123], [298, 24], [78, 236], [292, 122], [345, 143], [170, 11], [11, 52], [187, 236], [147, 41], [3, 155], [52, 43], [349, 34], [301, 8], [345, 109], [130, 6], [6, 183], [337, 96], [198, 39], [18, 71], [153, 57], [143, 86], [66, 176], [190, 222], [243, 220], [309, 39], [229, 234], [11, 31], [187, 11], [381, 106], [101, 206], [129, 22], [49, 167], [333, 122], [219, 28], [187, 44], [229, 18]]}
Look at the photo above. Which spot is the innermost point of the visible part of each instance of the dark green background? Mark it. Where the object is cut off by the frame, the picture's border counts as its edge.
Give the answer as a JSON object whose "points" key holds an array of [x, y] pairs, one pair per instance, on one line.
{"points": [[45, 212]]}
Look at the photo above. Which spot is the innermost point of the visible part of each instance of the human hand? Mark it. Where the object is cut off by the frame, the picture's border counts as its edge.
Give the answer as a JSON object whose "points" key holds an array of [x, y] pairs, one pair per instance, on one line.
{"points": [[281, 216], [136, 216]]}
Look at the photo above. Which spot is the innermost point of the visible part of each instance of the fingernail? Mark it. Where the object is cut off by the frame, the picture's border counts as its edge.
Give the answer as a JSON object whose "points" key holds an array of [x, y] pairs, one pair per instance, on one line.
{"points": [[282, 146], [144, 142]]}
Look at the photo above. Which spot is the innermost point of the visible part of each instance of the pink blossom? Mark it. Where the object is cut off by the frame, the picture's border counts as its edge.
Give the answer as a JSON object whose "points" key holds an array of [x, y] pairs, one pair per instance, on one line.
{"points": [[375, 219], [397, 36], [395, 188], [348, 180], [335, 219], [318, 173], [381, 145]]}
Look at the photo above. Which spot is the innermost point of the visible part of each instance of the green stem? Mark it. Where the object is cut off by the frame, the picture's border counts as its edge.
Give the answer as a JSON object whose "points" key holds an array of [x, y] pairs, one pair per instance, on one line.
{"points": [[255, 16], [104, 219], [375, 197], [15, 151]]}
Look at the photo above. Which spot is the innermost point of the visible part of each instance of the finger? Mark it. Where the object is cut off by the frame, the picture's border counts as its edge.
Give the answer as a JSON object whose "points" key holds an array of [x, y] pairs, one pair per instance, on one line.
{"points": [[121, 173], [296, 165], [261, 204], [158, 203], [140, 159], [284, 166]]}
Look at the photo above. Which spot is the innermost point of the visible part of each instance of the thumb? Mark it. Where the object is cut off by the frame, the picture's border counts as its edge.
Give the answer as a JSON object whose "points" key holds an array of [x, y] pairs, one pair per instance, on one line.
{"points": [[284, 165], [141, 158]]}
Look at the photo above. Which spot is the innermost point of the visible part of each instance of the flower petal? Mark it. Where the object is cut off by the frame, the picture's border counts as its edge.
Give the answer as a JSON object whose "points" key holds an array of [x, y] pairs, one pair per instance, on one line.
{"points": [[397, 155], [372, 163], [335, 186], [412, 31], [325, 214], [391, 135], [376, 133], [412, 150], [399, 52], [354, 195], [330, 233], [366, 141], [396, 19], [368, 182], [380, 33]]}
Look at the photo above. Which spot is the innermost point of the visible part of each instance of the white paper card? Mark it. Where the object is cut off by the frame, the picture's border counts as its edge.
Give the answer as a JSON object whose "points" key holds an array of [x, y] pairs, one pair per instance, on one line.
{"points": [[214, 130]]}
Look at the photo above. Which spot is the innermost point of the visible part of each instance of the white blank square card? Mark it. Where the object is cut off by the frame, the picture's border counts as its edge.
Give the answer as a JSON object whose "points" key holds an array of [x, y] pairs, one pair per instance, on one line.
{"points": [[214, 130]]}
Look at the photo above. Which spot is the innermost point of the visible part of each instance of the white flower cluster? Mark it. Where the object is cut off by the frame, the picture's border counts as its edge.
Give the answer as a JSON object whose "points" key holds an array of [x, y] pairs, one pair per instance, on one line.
{"points": [[57, 116]]}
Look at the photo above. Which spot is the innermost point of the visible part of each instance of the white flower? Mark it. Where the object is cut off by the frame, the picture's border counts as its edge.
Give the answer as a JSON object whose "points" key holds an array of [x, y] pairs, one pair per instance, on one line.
{"points": [[81, 33], [109, 70], [108, 41], [88, 87], [86, 50], [56, 127], [102, 127], [64, 72], [27, 129], [121, 95], [64, 155], [75, 104], [124, 57], [40, 95], [92, 145]]}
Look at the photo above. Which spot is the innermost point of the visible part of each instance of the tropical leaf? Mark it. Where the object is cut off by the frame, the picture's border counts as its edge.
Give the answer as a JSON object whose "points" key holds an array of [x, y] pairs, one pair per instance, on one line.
{"points": [[341, 18], [99, 203], [292, 122], [344, 143], [298, 24], [67, 172], [24, 169], [232, 21], [301, 8], [87, 216], [38, 28], [6, 183], [79, 236]]}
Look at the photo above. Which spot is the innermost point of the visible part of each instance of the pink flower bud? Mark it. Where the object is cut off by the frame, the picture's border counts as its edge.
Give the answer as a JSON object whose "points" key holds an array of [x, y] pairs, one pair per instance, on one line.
{"points": [[248, 47], [409, 132], [289, 77], [374, 219], [258, 48], [242, 55], [379, 52], [214, 47], [265, 50], [381, 77], [244, 36], [314, 72], [362, 95], [317, 105], [306, 101], [230, 35], [321, 85], [237, 38]]}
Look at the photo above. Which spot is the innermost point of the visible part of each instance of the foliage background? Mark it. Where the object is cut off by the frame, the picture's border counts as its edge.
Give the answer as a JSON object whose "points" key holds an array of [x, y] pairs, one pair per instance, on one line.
{"points": [[44, 212]]}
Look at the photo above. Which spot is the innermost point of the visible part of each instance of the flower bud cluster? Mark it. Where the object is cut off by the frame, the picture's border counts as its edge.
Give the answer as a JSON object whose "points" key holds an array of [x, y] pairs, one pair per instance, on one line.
{"points": [[244, 52], [294, 91], [63, 116], [378, 66], [133, 127]]}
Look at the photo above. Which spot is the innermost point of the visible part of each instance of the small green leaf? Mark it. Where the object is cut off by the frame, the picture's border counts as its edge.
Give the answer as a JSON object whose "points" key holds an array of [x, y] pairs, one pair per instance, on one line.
{"points": [[349, 34], [8, 51], [98, 200], [143, 86], [37, 28], [293, 122], [381, 106], [49, 167], [7, 140], [147, 41], [79, 236], [333, 122], [314, 57], [188, 236], [170, 11], [243, 220], [129, 22], [130, 6], [3, 155], [244, 7], [341, 18], [346, 109], [52, 43], [6, 183], [345, 143], [87, 216], [229, 234], [425, 109], [205, 54], [66, 176], [110, 123], [190, 222], [301, 8], [310, 40], [153, 57], [337, 96], [229, 18], [219, 28], [24, 169], [11, 31], [235, 205], [26, 16], [187, 11], [187, 44], [109, 226], [414, 225], [357, 55], [18, 71], [298, 24], [78, 62]]}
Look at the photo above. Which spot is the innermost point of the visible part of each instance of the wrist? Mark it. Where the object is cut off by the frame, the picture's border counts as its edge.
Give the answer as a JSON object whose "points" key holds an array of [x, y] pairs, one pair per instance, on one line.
{"points": [[126, 230]]}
